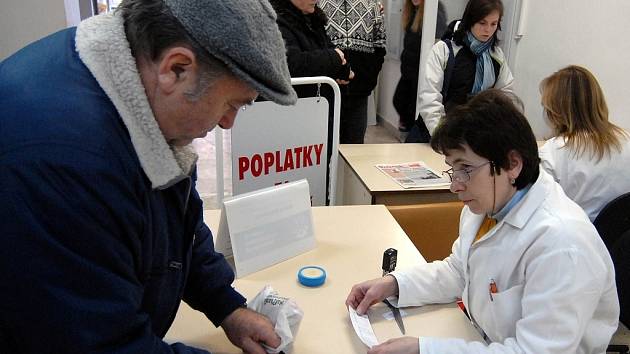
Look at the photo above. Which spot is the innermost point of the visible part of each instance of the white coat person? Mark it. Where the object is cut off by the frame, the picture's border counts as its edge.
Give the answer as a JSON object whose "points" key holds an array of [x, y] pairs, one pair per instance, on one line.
{"points": [[538, 281], [588, 154]]}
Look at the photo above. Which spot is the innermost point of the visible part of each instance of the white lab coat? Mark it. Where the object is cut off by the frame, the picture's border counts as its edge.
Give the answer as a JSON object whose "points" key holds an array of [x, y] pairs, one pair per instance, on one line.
{"points": [[588, 182], [555, 280], [430, 101]]}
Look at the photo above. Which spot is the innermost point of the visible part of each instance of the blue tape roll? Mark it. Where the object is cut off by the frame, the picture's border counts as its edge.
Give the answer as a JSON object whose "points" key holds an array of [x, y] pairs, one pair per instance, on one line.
{"points": [[311, 276]]}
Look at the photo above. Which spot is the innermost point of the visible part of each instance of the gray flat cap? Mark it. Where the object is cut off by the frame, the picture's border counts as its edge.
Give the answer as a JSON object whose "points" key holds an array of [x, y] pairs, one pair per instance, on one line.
{"points": [[244, 35]]}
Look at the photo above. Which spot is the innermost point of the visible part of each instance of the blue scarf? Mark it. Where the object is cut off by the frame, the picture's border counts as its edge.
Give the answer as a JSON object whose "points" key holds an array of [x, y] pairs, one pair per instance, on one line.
{"points": [[484, 72]]}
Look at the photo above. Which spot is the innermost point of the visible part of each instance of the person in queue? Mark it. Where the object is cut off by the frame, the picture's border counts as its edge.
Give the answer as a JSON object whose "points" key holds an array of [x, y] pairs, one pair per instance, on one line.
{"points": [[102, 232], [533, 273], [309, 50], [406, 93], [357, 27], [478, 64], [588, 155]]}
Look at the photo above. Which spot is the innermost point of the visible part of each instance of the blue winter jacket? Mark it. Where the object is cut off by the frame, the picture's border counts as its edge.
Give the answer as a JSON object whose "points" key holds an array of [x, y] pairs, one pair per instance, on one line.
{"points": [[94, 259]]}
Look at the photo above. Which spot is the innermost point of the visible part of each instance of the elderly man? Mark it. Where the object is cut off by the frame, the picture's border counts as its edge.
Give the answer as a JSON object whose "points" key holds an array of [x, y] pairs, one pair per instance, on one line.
{"points": [[101, 230]]}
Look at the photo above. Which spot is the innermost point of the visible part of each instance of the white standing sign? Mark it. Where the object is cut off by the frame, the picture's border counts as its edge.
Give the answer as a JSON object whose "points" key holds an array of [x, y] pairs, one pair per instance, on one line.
{"points": [[267, 226], [273, 144]]}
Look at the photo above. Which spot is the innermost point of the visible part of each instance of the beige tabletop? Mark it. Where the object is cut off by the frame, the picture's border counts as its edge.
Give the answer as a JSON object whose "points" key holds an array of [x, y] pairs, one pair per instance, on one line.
{"points": [[350, 245]]}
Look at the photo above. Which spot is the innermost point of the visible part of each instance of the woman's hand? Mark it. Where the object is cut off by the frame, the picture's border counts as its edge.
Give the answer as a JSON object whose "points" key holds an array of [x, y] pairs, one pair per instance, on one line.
{"points": [[368, 293], [406, 345], [341, 55], [345, 82]]}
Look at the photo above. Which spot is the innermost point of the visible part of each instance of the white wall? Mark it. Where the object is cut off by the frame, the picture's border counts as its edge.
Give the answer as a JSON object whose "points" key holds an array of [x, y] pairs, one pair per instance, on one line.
{"points": [[584, 32], [24, 21]]}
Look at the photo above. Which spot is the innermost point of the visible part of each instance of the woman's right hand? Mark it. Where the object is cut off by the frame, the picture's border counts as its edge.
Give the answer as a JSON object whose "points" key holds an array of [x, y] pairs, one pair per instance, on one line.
{"points": [[368, 293], [345, 82], [341, 56]]}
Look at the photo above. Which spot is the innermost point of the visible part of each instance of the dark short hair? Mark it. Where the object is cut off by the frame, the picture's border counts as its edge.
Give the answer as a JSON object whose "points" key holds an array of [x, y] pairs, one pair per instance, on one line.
{"points": [[492, 126], [477, 10], [151, 28]]}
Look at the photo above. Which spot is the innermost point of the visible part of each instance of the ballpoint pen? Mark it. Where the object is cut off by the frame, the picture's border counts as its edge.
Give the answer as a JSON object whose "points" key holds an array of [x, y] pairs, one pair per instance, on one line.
{"points": [[389, 264], [492, 289]]}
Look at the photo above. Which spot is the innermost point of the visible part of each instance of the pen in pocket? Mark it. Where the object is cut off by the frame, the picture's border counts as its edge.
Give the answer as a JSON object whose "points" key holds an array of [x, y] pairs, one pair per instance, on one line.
{"points": [[493, 289]]}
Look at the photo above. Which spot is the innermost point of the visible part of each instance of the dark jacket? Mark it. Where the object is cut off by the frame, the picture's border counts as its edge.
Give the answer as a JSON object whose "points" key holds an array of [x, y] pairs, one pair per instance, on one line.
{"points": [[366, 67], [463, 77], [94, 259], [309, 50], [406, 93]]}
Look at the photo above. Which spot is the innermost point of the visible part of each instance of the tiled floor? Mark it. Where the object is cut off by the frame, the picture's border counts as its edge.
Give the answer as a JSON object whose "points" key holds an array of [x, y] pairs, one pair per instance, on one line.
{"points": [[379, 134], [622, 336]]}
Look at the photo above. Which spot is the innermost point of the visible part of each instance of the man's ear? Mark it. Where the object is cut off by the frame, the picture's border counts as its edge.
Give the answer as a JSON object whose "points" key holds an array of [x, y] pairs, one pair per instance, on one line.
{"points": [[177, 65]]}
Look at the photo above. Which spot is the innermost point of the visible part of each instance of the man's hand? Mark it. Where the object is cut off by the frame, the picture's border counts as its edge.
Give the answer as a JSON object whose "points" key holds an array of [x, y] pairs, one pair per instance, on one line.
{"points": [[368, 293], [247, 329], [406, 345]]}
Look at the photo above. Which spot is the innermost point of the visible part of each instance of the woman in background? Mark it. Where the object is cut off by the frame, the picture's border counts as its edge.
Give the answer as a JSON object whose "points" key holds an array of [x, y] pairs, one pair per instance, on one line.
{"points": [[406, 93], [309, 50], [478, 64], [588, 155]]}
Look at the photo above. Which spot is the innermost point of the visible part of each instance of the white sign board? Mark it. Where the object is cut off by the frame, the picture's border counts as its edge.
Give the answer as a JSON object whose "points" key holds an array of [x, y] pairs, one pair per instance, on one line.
{"points": [[267, 226], [274, 144]]}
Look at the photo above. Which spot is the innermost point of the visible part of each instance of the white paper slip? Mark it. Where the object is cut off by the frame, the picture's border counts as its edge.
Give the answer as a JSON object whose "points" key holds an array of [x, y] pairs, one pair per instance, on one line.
{"points": [[363, 327]]}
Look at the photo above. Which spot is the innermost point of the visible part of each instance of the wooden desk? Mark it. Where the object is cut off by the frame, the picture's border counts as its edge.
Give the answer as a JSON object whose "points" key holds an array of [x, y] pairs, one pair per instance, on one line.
{"points": [[359, 182], [350, 245]]}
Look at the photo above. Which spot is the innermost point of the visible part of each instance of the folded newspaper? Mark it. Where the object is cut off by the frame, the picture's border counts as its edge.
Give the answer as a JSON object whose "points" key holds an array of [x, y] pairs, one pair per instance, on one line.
{"points": [[414, 175]]}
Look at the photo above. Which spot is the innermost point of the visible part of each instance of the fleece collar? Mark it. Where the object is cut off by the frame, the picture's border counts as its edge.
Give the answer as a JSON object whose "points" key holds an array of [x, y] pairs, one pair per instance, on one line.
{"points": [[103, 48]]}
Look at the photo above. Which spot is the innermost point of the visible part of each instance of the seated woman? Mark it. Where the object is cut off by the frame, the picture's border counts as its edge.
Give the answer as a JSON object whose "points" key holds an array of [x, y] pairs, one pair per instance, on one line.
{"points": [[477, 65], [588, 155], [528, 264]]}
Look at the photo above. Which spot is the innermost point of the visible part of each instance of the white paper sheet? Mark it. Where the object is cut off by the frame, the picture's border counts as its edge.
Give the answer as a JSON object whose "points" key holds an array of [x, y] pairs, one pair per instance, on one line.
{"points": [[363, 328], [269, 226]]}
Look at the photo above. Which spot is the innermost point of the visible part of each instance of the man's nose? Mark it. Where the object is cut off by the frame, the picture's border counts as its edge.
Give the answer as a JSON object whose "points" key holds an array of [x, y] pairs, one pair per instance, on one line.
{"points": [[227, 121]]}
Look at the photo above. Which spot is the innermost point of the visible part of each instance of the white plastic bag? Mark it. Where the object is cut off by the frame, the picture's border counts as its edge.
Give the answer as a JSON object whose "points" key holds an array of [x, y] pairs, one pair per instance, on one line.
{"points": [[282, 312]]}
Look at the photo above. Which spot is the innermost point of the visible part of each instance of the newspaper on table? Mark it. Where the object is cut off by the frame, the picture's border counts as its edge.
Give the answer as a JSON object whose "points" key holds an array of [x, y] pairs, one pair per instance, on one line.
{"points": [[413, 175]]}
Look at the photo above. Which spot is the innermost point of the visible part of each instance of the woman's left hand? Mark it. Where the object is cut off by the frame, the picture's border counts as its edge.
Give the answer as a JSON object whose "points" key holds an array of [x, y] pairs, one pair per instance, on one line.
{"points": [[406, 345]]}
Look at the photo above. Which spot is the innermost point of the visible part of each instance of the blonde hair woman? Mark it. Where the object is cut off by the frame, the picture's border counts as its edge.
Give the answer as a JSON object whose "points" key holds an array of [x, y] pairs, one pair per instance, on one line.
{"points": [[406, 93], [588, 154]]}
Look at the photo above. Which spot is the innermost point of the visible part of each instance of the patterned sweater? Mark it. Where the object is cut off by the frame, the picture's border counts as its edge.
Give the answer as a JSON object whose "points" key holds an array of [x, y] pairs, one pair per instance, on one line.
{"points": [[357, 27]]}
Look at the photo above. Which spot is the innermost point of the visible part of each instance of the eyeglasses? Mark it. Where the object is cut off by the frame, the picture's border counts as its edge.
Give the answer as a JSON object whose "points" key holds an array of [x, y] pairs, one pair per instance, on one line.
{"points": [[463, 175]]}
